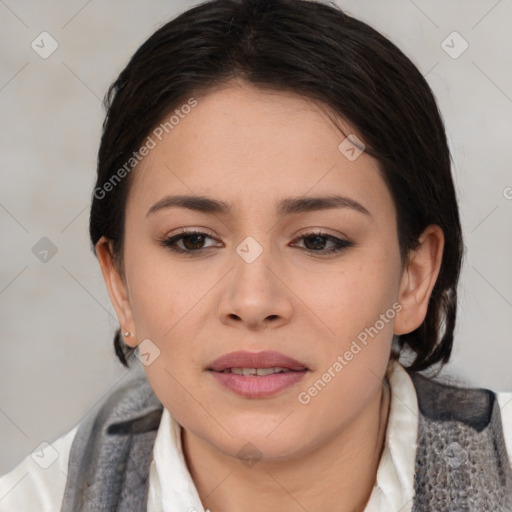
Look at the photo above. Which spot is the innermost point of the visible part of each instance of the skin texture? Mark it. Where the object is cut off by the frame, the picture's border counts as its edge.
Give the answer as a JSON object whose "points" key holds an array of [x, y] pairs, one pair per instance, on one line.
{"points": [[251, 148]]}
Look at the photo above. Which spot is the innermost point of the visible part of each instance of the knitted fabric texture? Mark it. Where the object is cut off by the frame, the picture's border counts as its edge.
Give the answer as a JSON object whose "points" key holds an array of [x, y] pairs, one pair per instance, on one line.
{"points": [[110, 455], [462, 463], [461, 458]]}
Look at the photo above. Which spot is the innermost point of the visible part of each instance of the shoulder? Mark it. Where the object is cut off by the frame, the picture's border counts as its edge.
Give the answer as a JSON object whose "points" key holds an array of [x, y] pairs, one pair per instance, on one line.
{"points": [[462, 444], [132, 408], [113, 446], [450, 399], [39, 480], [505, 403]]}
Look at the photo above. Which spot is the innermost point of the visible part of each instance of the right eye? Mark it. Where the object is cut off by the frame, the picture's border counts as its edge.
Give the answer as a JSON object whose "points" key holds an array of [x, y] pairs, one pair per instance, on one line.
{"points": [[191, 242]]}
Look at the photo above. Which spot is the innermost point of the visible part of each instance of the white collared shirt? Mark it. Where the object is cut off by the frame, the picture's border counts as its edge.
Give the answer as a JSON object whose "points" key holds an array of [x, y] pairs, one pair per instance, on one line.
{"points": [[29, 487]]}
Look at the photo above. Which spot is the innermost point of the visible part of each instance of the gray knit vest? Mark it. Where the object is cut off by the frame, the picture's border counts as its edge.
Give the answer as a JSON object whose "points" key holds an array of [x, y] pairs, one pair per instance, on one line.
{"points": [[461, 459]]}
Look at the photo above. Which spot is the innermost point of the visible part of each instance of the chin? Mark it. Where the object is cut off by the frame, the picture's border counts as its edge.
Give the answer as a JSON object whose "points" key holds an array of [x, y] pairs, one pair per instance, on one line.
{"points": [[269, 443]]}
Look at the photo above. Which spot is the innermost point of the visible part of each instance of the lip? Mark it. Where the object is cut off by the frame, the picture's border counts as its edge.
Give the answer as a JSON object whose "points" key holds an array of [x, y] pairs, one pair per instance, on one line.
{"points": [[257, 386], [265, 359], [253, 386]]}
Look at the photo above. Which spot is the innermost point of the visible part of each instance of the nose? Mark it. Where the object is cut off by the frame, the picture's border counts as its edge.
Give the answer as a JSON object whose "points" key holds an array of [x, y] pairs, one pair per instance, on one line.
{"points": [[255, 295]]}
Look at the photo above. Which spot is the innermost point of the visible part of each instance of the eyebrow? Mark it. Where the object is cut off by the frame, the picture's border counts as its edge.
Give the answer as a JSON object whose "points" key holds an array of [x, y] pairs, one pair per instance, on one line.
{"points": [[287, 206]]}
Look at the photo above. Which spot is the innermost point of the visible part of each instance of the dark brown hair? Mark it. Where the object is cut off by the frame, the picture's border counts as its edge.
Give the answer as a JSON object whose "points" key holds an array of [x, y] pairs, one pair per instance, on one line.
{"points": [[321, 53]]}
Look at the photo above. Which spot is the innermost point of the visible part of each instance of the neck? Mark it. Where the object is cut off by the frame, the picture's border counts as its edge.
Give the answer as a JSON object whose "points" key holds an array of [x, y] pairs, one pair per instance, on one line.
{"points": [[336, 476]]}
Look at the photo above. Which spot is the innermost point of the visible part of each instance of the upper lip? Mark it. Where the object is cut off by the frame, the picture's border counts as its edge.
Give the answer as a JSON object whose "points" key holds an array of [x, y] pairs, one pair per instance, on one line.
{"points": [[265, 359]]}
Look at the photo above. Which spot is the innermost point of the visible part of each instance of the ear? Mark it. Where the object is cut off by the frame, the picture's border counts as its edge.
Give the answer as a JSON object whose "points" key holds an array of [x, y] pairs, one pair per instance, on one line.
{"points": [[418, 280], [116, 286]]}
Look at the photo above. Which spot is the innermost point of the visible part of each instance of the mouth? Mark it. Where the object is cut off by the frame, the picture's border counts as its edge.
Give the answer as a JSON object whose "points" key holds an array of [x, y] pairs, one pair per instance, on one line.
{"points": [[258, 371], [256, 363], [257, 375]]}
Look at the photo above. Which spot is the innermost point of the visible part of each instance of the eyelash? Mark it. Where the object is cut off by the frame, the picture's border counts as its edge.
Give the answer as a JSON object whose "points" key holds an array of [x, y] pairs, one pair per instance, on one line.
{"points": [[170, 242]]}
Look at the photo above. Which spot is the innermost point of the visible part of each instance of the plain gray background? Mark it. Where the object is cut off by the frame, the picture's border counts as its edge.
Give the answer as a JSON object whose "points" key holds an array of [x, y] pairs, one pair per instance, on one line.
{"points": [[56, 319]]}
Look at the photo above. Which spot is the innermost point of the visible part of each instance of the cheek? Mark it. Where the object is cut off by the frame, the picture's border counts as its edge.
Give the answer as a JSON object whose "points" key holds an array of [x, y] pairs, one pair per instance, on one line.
{"points": [[353, 294], [160, 292], [167, 302], [359, 309]]}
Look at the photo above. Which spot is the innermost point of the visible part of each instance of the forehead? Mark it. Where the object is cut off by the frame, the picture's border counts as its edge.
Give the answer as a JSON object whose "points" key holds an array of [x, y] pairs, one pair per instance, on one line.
{"points": [[241, 142]]}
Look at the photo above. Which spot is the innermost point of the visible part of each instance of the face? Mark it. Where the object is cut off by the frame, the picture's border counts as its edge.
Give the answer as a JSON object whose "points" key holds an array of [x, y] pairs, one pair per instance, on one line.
{"points": [[315, 282]]}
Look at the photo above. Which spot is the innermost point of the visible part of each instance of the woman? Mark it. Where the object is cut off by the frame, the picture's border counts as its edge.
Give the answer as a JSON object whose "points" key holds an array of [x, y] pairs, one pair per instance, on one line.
{"points": [[276, 224]]}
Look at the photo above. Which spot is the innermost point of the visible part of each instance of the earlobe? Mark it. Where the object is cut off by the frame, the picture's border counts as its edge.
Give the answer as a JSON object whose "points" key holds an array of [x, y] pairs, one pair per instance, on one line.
{"points": [[418, 280], [116, 287]]}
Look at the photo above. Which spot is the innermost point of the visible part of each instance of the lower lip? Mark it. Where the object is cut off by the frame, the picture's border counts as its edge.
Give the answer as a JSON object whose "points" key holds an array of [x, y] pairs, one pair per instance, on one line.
{"points": [[258, 386]]}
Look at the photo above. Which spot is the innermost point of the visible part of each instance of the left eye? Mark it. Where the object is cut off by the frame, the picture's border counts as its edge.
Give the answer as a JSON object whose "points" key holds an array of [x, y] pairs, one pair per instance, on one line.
{"points": [[314, 240]]}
